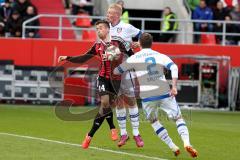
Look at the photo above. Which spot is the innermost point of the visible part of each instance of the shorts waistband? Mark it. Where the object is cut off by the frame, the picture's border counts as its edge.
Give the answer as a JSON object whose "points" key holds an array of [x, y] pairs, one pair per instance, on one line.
{"points": [[155, 98]]}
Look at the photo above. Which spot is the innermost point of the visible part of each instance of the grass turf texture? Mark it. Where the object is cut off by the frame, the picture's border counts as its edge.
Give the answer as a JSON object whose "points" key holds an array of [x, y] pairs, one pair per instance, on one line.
{"points": [[214, 134]]}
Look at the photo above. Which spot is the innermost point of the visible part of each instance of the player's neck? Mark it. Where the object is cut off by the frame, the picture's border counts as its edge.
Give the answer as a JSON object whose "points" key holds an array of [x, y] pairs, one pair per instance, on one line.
{"points": [[106, 39], [115, 23]]}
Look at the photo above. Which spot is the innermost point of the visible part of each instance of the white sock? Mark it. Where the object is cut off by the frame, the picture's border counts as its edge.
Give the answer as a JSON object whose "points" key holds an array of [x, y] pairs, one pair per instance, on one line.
{"points": [[163, 134], [121, 118], [183, 131], [134, 117]]}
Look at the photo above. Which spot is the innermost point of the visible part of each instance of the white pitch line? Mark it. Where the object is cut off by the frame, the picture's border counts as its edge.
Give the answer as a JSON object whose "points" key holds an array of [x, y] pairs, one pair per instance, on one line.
{"points": [[78, 145]]}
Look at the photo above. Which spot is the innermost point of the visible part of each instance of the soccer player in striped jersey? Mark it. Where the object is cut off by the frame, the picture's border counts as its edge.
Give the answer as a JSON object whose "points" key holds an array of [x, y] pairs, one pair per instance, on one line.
{"points": [[107, 83], [155, 91]]}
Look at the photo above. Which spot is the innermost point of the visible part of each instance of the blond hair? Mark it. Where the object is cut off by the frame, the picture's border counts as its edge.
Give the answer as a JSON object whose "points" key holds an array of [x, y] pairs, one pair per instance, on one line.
{"points": [[116, 7]]}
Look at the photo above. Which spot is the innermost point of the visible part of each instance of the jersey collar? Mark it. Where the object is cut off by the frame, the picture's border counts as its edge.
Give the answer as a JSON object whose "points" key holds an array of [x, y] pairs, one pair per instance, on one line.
{"points": [[116, 24]]}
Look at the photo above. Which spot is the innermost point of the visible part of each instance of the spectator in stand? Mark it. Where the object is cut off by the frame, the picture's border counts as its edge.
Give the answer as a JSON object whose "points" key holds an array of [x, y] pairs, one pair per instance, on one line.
{"points": [[12, 2], [125, 15], [202, 12], [219, 14], [168, 25], [67, 4], [78, 5], [6, 10], [32, 12], [2, 27], [230, 28], [21, 6], [14, 24], [235, 15]]}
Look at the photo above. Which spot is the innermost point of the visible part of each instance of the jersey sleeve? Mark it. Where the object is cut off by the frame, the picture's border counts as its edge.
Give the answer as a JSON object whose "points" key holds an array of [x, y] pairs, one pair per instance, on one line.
{"points": [[170, 65], [166, 61], [83, 58], [133, 31], [125, 66], [123, 46]]}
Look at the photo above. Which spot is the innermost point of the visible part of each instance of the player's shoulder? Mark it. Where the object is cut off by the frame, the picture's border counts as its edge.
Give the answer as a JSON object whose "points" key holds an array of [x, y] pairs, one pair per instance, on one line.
{"points": [[126, 25], [131, 59]]}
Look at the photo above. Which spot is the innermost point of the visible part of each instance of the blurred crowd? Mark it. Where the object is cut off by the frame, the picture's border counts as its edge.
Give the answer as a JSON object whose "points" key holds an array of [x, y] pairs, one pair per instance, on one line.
{"points": [[14, 12], [79, 6], [12, 15], [221, 10]]}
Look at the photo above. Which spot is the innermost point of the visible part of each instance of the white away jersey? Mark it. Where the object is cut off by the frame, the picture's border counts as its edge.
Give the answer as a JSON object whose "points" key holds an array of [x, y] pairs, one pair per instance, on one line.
{"points": [[124, 30], [149, 66]]}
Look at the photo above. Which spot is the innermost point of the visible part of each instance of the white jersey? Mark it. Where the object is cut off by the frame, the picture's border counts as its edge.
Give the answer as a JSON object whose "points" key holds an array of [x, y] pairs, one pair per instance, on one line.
{"points": [[149, 67], [125, 31]]}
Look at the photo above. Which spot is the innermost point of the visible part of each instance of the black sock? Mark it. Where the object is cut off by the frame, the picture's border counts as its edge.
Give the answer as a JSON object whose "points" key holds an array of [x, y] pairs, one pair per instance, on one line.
{"points": [[96, 124], [109, 118]]}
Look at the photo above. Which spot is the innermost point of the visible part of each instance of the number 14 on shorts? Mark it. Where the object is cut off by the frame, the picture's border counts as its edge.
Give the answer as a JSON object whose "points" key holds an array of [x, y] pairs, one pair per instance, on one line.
{"points": [[101, 88]]}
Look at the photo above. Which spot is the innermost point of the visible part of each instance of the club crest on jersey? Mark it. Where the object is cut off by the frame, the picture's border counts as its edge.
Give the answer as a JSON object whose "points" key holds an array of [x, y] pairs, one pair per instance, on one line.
{"points": [[119, 30]]}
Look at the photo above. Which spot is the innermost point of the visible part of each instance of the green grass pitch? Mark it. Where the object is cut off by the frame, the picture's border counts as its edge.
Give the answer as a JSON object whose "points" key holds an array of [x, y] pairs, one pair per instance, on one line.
{"points": [[216, 136]]}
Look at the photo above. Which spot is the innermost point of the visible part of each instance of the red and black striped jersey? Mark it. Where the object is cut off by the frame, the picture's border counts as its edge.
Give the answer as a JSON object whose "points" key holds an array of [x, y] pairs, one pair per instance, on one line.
{"points": [[99, 49]]}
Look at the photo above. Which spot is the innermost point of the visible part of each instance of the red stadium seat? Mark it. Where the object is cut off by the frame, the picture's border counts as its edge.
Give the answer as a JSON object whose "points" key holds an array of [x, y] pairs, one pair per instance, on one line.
{"points": [[89, 35], [208, 39], [83, 22]]}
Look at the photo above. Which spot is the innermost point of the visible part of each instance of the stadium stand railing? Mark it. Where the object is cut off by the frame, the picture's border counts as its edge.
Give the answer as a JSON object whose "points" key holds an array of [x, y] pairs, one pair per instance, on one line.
{"points": [[184, 22]]}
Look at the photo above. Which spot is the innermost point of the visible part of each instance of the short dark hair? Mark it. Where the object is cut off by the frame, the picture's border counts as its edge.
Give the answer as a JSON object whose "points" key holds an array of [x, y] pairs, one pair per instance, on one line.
{"points": [[146, 40], [105, 22]]}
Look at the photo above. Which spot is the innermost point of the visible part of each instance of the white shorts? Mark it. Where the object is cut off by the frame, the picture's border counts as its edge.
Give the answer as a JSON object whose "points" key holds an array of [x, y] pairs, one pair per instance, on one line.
{"points": [[127, 86], [168, 105]]}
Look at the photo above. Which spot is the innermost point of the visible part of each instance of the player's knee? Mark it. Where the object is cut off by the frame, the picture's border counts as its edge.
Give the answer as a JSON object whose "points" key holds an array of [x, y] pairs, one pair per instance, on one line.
{"points": [[153, 120], [175, 118], [130, 101], [120, 106]]}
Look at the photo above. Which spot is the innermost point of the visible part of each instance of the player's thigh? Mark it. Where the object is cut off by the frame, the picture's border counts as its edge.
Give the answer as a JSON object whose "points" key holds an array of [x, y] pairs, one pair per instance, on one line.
{"points": [[170, 106], [150, 110], [103, 88], [105, 100], [128, 101], [127, 85], [113, 90]]}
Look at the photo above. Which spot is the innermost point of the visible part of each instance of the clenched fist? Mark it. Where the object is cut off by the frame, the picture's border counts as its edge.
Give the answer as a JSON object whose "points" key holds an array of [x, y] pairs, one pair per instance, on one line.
{"points": [[61, 58]]}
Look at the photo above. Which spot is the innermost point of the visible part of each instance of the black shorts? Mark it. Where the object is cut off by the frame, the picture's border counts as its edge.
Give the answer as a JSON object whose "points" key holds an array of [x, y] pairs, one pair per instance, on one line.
{"points": [[107, 86]]}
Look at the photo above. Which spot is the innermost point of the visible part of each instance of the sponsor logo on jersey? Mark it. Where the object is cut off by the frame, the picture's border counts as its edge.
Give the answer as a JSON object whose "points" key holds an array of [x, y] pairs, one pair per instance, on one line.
{"points": [[119, 30]]}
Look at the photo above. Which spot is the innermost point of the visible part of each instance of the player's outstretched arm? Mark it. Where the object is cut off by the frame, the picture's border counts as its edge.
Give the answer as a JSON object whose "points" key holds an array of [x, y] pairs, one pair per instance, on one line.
{"points": [[79, 59], [118, 70], [125, 66]]}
